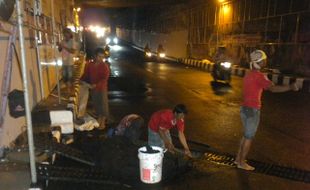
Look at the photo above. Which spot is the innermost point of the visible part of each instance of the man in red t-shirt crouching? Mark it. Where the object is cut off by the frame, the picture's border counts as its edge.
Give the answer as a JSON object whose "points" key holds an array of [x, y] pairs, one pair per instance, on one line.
{"points": [[159, 128]]}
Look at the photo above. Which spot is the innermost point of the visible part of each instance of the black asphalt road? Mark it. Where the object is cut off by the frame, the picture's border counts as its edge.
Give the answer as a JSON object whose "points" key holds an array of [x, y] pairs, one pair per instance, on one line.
{"points": [[213, 107], [142, 86]]}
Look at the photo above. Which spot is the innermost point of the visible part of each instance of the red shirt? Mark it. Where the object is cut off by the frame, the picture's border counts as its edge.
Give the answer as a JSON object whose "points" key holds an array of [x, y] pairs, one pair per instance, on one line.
{"points": [[97, 73], [125, 122], [165, 119], [253, 85]]}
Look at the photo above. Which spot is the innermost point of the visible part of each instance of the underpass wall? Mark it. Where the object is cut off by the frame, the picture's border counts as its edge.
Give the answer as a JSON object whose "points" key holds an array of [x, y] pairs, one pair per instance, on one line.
{"points": [[12, 127], [174, 43]]}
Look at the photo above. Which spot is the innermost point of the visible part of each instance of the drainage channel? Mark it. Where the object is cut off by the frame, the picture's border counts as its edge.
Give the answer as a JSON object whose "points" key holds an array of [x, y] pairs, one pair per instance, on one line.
{"points": [[214, 156], [90, 175], [263, 168], [45, 143]]}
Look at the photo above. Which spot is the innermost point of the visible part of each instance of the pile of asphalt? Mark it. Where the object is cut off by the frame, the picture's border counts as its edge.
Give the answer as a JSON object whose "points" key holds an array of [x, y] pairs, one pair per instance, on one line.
{"points": [[118, 158]]}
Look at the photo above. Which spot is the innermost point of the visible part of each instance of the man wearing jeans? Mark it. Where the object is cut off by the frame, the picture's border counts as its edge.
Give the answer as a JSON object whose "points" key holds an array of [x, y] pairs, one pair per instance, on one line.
{"points": [[253, 85], [160, 124]]}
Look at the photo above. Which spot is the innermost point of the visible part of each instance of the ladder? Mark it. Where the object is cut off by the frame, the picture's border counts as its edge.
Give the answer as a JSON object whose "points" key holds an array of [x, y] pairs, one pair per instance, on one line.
{"points": [[6, 77]]}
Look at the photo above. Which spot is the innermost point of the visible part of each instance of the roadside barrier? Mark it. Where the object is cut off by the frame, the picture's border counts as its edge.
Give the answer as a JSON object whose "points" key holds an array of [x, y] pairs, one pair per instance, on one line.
{"points": [[277, 78]]}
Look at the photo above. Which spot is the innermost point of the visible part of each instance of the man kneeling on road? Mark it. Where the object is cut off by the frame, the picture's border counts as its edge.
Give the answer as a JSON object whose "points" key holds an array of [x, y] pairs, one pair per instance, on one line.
{"points": [[159, 128], [130, 126]]}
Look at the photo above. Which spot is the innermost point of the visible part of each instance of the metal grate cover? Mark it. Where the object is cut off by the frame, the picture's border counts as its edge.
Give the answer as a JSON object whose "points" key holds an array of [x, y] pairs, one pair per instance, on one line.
{"points": [[264, 168], [92, 175], [47, 143]]}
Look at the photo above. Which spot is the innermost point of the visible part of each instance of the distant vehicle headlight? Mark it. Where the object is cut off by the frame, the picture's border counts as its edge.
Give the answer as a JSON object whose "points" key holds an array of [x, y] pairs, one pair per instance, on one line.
{"points": [[115, 40], [107, 59], [108, 40], [149, 54], [162, 55], [76, 58], [226, 64]]}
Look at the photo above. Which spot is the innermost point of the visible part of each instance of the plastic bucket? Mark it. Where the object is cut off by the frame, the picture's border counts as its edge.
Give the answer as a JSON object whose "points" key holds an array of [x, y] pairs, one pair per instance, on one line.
{"points": [[150, 165]]}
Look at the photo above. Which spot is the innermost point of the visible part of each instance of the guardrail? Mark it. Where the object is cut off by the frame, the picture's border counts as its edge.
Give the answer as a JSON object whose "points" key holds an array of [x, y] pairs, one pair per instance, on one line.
{"points": [[277, 78]]}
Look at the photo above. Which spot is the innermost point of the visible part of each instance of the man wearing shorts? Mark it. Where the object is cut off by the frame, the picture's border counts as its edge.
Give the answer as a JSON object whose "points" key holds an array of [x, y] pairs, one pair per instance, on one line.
{"points": [[253, 85], [68, 49]]}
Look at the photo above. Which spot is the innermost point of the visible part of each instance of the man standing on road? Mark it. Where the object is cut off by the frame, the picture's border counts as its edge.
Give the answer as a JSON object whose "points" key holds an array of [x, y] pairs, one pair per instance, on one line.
{"points": [[97, 73], [253, 85], [68, 48], [159, 128]]}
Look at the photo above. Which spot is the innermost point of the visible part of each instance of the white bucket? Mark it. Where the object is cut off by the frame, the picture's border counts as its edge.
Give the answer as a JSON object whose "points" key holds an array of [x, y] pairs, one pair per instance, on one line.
{"points": [[151, 165]]}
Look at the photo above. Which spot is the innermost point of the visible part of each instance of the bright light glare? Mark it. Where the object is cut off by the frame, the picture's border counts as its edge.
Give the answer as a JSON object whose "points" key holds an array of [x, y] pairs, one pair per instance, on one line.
{"points": [[149, 54], [115, 40], [162, 55], [107, 59], [52, 63], [226, 9], [100, 31], [74, 28], [116, 73], [107, 41], [116, 48], [226, 64]]}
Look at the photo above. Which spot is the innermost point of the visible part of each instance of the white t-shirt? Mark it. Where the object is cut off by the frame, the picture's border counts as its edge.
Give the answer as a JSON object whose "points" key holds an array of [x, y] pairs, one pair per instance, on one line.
{"points": [[67, 57]]}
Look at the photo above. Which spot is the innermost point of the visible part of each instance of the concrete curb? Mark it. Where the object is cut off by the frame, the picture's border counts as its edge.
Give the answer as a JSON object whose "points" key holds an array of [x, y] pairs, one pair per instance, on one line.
{"points": [[277, 78]]}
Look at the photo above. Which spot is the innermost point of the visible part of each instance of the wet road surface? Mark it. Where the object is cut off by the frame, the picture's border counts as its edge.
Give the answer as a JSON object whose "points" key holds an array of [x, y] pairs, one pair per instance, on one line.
{"points": [[144, 86]]}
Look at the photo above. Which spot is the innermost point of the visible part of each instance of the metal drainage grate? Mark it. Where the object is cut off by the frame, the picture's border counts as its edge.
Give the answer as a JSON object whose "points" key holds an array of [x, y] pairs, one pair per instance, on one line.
{"points": [[91, 175], [49, 144], [264, 168]]}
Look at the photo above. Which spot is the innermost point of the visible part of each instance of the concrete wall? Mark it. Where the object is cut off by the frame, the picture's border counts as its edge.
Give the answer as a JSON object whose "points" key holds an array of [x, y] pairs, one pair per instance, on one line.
{"points": [[174, 43], [12, 127]]}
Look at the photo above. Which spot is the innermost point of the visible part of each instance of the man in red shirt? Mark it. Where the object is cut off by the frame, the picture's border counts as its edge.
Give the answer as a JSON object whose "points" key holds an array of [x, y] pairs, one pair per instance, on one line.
{"points": [[253, 85], [160, 124], [97, 73]]}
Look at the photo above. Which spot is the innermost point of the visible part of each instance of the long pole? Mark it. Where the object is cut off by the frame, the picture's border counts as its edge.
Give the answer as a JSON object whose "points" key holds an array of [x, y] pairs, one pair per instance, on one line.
{"points": [[26, 97], [54, 44], [36, 14]]}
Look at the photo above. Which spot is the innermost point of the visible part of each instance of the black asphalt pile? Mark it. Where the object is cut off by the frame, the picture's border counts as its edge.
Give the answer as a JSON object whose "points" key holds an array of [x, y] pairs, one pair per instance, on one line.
{"points": [[118, 157], [150, 150]]}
